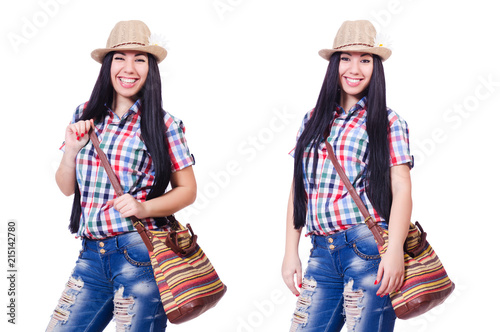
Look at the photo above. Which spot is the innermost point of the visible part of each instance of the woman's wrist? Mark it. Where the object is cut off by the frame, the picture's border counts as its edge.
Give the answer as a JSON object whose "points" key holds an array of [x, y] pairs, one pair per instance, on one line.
{"points": [[68, 163], [395, 249]]}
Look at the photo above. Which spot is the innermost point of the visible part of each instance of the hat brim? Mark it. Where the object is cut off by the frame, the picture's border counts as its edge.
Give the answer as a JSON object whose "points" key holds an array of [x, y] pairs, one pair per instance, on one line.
{"points": [[157, 51], [383, 52]]}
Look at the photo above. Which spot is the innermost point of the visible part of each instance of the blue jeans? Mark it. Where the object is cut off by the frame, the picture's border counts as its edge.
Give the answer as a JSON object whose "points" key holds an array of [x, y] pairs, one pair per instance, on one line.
{"points": [[338, 286], [113, 277]]}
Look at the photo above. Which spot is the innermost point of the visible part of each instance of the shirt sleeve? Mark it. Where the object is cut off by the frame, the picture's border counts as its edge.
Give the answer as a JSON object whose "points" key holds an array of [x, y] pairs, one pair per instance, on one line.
{"points": [[76, 115], [399, 141], [301, 129], [177, 144]]}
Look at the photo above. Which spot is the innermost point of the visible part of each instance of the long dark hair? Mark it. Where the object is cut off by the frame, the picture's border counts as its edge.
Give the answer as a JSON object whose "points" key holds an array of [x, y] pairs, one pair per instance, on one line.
{"points": [[377, 171], [153, 128]]}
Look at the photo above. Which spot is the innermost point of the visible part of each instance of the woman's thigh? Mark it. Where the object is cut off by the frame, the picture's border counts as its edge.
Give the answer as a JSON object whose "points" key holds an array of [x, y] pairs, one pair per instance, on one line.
{"points": [[338, 286], [319, 306], [364, 310], [86, 302], [119, 284], [137, 301]]}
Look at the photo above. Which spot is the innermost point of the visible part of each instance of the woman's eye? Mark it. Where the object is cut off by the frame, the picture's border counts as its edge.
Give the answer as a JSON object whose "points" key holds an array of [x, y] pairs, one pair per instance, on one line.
{"points": [[365, 61], [118, 58], [344, 58], [140, 60]]}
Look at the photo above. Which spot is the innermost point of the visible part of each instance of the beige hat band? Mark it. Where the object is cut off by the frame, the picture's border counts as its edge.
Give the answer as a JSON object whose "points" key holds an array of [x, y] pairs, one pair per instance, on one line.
{"points": [[129, 43], [353, 44]]}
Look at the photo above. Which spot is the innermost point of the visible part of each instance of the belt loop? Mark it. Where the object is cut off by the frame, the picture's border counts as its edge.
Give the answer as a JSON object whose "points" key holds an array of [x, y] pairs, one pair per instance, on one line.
{"points": [[85, 243], [118, 240]]}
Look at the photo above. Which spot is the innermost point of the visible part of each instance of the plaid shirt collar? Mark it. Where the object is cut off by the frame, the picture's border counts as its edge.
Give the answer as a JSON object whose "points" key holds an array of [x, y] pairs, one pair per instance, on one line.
{"points": [[359, 106], [134, 109]]}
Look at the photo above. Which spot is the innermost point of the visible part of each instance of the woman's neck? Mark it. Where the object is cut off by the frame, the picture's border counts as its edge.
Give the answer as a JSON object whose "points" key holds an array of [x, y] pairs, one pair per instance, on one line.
{"points": [[121, 105], [348, 101]]}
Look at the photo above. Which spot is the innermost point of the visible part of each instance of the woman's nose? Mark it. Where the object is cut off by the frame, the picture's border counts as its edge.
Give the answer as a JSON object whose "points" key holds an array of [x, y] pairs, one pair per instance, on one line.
{"points": [[129, 66], [354, 68]]}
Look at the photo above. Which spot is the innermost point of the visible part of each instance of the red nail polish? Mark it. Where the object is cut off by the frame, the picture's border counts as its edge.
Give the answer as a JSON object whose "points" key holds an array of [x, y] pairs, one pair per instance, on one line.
{"points": [[300, 286], [376, 282]]}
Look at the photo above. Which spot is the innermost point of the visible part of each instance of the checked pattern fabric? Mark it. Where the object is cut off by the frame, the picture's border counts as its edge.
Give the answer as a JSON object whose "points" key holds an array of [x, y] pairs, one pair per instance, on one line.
{"points": [[120, 139], [329, 207]]}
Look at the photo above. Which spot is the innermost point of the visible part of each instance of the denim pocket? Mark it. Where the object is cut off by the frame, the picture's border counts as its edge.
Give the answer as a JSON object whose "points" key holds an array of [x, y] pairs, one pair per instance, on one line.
{"points": [[366, 248], [137, 254]]}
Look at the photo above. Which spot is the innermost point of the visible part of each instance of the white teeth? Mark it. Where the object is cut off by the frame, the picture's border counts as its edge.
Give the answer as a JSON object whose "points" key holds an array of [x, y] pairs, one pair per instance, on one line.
{"points": [[352, 80], [128, 80]]}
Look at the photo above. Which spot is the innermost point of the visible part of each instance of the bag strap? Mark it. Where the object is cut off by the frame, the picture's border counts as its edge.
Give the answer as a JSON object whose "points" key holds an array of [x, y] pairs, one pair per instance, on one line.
{"points": [[373, 226], [118, 188]]}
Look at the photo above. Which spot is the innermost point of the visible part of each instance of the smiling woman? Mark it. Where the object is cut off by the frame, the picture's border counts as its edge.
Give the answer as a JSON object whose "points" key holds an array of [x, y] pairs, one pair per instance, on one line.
{"points": [[346, 281], [148, 151]]}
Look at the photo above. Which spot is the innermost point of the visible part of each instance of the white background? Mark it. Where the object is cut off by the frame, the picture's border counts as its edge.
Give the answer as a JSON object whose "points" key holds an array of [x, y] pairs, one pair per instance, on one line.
{"points": [[241, 74]]}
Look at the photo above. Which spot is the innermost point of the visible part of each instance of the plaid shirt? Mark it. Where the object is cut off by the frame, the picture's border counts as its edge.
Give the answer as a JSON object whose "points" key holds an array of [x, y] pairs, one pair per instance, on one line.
{"points": [[330, 207], [120, 140]]}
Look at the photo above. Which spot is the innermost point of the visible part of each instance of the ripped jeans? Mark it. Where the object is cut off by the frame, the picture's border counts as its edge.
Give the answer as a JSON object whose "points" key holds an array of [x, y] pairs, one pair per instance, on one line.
{"points": [[113, 277], [338, 286]]}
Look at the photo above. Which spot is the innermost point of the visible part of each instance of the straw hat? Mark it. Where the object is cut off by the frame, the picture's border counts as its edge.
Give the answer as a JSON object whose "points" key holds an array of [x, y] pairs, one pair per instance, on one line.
{"points": [[357, 36], [130, 36]]}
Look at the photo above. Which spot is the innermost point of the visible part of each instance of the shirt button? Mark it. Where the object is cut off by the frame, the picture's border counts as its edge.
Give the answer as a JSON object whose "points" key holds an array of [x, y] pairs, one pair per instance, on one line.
{"points": [[330, 240], [101, 244], [102, 251], [332, 247]]}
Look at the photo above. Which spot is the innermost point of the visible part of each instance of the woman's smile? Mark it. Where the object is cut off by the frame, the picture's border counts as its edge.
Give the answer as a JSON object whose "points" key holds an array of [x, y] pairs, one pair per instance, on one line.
{"points": [[127, 82], [352, 82]]}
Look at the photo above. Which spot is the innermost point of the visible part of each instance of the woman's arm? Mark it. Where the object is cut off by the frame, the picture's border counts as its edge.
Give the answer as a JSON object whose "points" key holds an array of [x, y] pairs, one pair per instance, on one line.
{"points": [[391, 269], [183, 193], [292, 266], [76, 137]]}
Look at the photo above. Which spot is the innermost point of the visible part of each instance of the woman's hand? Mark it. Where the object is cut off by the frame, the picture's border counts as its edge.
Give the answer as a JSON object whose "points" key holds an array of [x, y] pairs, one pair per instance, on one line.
{"points": [[128, 206], [76, 136], [182, 194], [391, 271], [291, 271]]}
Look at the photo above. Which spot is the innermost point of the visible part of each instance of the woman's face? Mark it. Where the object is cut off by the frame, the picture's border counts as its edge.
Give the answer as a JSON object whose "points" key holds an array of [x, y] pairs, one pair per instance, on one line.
{"points": [[129, 70], [355, 72]]}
